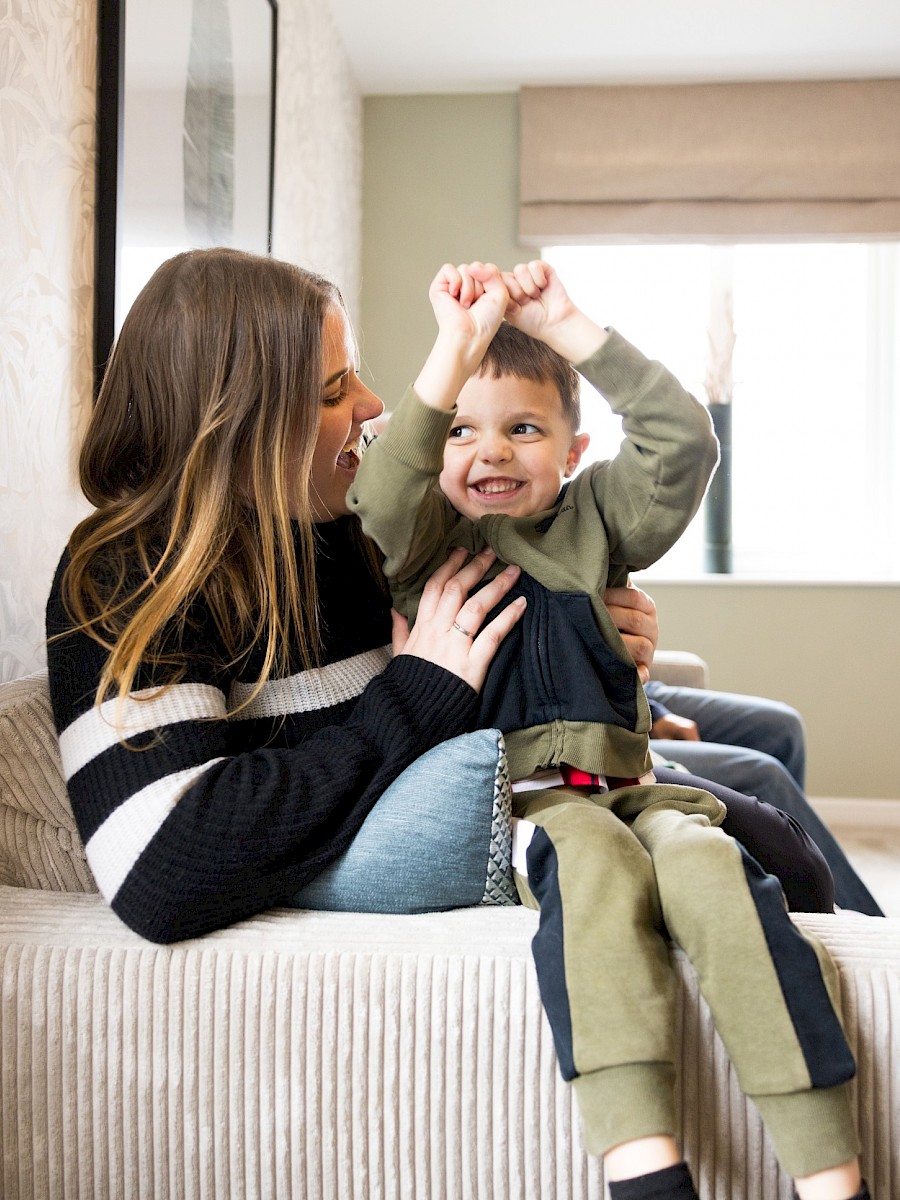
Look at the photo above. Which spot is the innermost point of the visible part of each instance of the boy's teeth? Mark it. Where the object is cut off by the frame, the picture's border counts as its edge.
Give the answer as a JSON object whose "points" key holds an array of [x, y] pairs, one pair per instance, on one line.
{"points": [[492, 488]]}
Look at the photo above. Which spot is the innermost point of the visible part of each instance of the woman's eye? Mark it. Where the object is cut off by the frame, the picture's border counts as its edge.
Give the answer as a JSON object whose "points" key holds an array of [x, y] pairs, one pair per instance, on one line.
{"points": [[334, 397]]}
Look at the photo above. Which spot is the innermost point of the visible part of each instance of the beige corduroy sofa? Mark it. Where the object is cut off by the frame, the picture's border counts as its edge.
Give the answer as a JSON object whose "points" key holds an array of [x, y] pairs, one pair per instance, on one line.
{"points": [[331, 1055]]}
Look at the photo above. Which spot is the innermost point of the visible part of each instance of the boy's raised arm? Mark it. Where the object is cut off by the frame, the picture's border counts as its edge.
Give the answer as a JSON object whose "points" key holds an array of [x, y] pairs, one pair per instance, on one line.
{"points": [[395, 493], [540, 306], [469, 303]]}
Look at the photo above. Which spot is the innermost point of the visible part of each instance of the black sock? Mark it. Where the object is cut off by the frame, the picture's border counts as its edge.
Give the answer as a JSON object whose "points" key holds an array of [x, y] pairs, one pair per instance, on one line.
{"points": [[671, 1183]]}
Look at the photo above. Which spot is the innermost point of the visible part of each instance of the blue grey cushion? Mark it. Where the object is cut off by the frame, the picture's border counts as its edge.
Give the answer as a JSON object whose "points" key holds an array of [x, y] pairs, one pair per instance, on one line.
{"points": [[440, 837]]}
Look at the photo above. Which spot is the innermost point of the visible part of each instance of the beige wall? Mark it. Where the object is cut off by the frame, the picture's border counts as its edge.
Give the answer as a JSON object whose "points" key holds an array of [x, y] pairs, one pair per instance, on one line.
{"points": [[833, 652], [440, 182]]}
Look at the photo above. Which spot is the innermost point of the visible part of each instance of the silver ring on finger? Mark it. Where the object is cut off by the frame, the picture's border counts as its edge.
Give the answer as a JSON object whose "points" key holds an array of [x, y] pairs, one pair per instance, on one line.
{"points": [[456, 625]]}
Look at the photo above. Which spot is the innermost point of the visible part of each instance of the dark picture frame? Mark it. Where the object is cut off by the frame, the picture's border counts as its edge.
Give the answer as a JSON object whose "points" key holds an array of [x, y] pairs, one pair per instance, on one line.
{"points": [[227, 111]]}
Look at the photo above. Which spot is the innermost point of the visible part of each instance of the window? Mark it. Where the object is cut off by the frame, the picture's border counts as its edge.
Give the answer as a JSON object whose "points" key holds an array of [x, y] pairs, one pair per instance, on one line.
{"points": [[816, 384]]}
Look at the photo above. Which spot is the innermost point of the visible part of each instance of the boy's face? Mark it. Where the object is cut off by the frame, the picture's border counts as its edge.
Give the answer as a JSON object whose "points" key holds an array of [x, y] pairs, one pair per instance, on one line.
{"points": [[509, 449]]}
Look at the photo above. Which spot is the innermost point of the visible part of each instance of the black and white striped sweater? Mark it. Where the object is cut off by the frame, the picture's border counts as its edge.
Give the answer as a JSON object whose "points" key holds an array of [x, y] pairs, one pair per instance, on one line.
{"points": [[214, 820]]}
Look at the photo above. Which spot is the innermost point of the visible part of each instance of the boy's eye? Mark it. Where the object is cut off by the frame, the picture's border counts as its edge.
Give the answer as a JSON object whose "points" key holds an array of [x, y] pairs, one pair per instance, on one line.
{"points": [[460, 431], [525, 427]]}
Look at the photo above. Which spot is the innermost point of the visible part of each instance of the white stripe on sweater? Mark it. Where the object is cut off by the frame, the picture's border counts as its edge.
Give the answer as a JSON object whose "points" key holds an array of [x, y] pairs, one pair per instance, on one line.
{"points": [[310, 691], [100, 728], [119, 842]]}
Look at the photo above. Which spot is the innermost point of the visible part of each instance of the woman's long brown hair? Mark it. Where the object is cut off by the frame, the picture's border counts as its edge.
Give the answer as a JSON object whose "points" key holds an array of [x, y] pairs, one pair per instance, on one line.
{"points": [[212, 395]]}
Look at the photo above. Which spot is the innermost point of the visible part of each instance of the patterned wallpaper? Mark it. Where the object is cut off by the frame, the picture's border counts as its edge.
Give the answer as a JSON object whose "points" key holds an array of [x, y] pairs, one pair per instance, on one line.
{"points": [[47, 152], [48, 69]]}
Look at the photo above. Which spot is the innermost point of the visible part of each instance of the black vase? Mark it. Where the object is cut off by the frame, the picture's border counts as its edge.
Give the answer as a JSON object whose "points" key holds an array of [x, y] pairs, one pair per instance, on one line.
{"points": [[717, 557]]}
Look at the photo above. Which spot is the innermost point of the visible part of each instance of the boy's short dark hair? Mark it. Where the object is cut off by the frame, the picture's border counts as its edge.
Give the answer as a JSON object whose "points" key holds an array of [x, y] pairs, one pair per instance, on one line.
{"points": [[518, 354]]}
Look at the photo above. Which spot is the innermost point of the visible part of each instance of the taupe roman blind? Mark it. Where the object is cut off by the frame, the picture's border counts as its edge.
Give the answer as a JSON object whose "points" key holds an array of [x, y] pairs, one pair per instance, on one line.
{"points": [[743, 161]]}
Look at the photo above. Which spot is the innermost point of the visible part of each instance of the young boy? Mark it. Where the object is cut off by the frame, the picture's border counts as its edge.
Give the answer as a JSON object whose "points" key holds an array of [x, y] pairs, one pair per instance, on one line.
{"points": [[618, 864]]}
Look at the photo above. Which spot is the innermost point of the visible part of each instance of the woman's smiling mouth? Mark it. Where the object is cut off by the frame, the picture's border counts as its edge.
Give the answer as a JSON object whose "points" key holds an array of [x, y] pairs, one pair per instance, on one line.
{"points": [[348, 459]]}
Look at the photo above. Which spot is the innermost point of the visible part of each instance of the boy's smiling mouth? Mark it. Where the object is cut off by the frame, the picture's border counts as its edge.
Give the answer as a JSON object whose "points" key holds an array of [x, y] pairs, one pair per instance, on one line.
{"points": [[496, 488]]}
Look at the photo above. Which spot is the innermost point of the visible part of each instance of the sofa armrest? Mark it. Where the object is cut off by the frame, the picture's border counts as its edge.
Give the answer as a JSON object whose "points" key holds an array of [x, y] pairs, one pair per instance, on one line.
{"points": [[680, 668], [39, 842]]}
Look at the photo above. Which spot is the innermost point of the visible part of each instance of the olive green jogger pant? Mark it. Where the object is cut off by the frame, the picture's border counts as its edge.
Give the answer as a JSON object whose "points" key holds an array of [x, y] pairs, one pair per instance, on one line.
{"points": [[620, 876]]}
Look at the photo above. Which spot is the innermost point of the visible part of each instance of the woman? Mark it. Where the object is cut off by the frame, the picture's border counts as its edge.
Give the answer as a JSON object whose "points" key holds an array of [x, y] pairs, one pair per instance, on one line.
{"points": [[221, 577]]}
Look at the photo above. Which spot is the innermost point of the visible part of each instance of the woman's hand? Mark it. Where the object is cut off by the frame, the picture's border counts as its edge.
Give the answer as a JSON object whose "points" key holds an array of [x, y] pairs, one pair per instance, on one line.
{"points": [[447, 626], [634, 615]]}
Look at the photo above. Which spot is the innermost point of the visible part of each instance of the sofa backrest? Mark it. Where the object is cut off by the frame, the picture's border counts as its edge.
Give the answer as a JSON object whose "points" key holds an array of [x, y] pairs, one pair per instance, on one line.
{"points": [[39, 842]]}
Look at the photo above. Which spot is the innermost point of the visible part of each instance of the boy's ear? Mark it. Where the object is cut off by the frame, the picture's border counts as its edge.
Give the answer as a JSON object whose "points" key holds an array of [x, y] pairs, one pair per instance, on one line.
{"points": [[573, 458]]}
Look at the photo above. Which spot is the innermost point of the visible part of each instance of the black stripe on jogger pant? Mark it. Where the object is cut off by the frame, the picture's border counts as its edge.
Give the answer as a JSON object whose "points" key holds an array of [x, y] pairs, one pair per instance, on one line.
{"points": [[548, 947], [819, 1034]]}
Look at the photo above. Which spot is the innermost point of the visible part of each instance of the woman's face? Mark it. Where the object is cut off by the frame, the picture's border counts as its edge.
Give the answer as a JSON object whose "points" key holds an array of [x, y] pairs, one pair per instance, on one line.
{"points": [[346, 404]]}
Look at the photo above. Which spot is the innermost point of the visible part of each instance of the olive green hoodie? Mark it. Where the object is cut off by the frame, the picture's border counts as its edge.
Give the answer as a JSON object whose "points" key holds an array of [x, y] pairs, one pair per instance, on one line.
{"points": [[613, 517]]}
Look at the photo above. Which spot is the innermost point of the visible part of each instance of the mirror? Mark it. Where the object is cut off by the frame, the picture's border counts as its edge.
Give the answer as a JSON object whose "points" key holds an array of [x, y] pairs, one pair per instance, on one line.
{"points": [[186, 135]]}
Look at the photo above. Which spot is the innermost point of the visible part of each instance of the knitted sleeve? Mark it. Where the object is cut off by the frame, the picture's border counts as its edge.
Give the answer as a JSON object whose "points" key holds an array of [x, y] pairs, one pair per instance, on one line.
{"points": [[192, 822]]}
